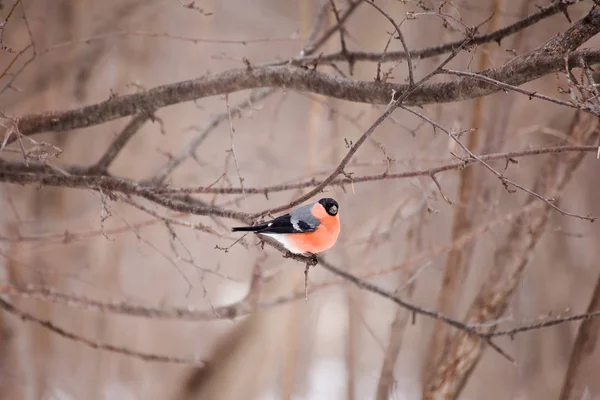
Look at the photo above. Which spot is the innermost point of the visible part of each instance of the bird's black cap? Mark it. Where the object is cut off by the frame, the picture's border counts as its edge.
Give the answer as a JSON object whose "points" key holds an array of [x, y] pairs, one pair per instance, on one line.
{"points": [[330, 205]]}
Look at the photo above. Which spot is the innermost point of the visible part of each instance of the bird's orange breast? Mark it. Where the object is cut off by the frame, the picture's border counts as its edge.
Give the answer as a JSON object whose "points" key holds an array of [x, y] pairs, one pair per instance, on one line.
{"points": [[323, 237]]}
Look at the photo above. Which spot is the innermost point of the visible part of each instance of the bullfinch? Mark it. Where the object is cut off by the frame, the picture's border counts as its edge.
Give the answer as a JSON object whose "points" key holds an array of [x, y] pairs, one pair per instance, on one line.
{"points": [[309, 229]]}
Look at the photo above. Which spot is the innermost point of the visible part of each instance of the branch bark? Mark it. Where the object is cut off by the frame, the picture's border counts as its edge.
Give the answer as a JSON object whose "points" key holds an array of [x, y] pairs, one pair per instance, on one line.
{"points": [[125, 186], [546, 59]]}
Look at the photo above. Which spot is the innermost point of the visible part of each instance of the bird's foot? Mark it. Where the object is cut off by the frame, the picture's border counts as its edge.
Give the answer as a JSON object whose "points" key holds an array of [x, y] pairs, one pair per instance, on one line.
{"points": [[312, 260]]}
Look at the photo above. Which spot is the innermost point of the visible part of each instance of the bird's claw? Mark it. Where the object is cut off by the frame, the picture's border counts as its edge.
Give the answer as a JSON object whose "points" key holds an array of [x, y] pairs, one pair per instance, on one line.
{"points": [[312, 260]]}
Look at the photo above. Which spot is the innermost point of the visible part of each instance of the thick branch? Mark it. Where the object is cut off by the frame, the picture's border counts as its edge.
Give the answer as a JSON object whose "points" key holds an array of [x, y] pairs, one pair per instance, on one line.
{"points": [[544, 60], [124, 186]]}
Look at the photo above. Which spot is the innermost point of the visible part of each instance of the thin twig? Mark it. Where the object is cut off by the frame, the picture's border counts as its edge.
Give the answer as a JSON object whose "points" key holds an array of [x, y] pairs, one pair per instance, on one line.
{"points": [[378, 70], [408, 306], [8, 307], [543, 324], [499, 175], [343, 47], [232, 146], [496, 36], [312, 48], [383, 176], [513, 88], [3, 24], [317, 24], [203, 134], [117, 145], [411, 78], [31, 45]]}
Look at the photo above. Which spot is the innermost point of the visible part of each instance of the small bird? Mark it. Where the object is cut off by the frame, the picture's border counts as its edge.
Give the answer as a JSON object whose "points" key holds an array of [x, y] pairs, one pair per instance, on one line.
{"points": [[309, 229]]}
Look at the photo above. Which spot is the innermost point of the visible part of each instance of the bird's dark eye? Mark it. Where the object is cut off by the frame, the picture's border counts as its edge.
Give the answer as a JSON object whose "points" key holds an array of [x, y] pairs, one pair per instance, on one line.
{"points": [[333, 210]]}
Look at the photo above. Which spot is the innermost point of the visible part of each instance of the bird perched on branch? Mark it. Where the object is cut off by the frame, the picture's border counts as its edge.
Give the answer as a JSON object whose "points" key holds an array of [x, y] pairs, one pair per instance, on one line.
{"points": [[307, 230]]}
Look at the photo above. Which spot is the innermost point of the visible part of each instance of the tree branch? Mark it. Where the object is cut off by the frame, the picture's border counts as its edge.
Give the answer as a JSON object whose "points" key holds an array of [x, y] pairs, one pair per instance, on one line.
{"points": [[546, 59], [198, 139], [8, 307], [126, 186], [411, 79], [117, 145], [496, 36], [265, 190]]}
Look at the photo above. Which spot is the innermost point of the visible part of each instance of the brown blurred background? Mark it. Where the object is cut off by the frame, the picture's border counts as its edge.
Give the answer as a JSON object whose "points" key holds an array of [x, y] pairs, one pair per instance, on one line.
{"points": [[333, 345]]}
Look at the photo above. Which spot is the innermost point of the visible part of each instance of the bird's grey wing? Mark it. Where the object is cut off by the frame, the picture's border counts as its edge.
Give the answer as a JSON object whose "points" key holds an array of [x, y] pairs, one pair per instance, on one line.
{"points": [[302, 219]]}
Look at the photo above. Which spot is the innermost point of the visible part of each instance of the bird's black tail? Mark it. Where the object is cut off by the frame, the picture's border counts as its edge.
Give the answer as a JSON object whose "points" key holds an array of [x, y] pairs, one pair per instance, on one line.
{"points": [[248, 228]]}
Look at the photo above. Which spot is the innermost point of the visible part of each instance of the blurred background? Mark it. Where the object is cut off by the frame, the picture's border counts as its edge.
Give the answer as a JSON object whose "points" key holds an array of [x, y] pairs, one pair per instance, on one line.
{"points": [[342, 343]]}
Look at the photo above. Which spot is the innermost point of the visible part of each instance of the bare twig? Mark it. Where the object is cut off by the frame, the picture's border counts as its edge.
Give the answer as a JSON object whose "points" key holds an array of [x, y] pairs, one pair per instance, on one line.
{"points": [[505, 181], [411, 78], [408, 306], [8, 307], [168, 36], [514, 88], [383, 176], [311, 48], [437, 184], [167, 220], [232, 147], [363, 284], [3, 25], [588, 316], [117, 145], [14, 60], [317, 24], [31, 46], [496, 36], [385, 49], [344, 49], [203, 134]]}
